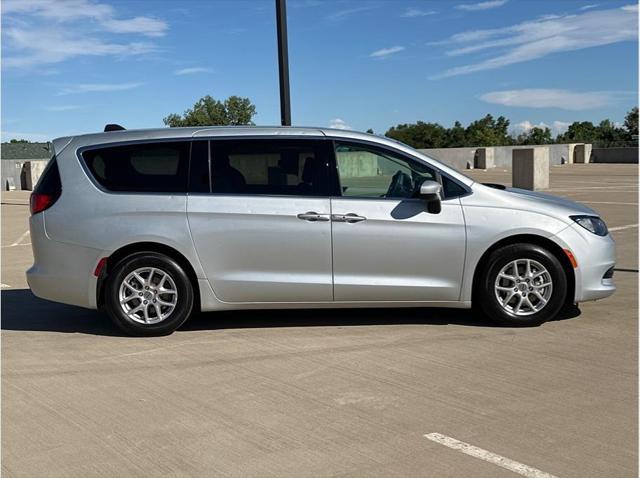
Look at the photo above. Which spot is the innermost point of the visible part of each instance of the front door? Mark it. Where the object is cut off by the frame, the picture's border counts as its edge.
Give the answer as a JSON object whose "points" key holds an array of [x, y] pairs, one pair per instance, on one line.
{"points": [[386, 245], [261, 221]]}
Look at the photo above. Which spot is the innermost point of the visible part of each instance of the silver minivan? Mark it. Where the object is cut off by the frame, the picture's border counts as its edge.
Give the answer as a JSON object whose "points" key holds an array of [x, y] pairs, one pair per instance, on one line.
{"points": [[152, 225]]}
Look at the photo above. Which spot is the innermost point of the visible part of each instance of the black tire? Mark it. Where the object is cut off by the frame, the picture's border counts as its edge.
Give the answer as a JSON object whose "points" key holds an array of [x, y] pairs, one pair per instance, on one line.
{"points": [[183, 287], [485, 293]]}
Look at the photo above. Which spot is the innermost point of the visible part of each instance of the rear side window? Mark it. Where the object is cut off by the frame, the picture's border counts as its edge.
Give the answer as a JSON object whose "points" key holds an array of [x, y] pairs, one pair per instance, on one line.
{"points": [[148, 167], [50, 180], [270, 167]]}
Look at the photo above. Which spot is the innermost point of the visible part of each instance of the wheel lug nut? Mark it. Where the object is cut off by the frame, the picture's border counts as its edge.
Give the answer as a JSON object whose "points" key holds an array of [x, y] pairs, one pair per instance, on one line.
{"points": [[140, 293], [146, 302], [154, 301]]}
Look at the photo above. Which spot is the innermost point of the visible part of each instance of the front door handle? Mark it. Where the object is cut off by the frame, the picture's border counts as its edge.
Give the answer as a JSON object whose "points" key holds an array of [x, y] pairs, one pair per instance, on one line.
{"points": [[349, 218], [313, 216]]}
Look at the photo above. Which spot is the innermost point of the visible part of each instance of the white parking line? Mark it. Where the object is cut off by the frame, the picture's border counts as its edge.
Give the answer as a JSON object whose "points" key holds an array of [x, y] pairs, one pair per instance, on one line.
{"points": [[607, 202], [20, 239], [485, 455], [4, 286], [17, 245], [622, 228]]}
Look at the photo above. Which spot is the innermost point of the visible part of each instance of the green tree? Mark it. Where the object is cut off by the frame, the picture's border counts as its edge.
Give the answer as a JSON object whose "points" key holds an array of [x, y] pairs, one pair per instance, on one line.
{"points": [[19, 141], [579, 132], [488, 132], [208, 111], [536, 135], [419, 135], [370, 131], [631, 122], [608, 134], [456, 136]]}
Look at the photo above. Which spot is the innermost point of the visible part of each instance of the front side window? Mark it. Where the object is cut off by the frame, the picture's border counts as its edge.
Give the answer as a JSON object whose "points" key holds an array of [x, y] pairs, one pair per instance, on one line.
{"points": [[370, 172], [270, 167], [148, 167]]}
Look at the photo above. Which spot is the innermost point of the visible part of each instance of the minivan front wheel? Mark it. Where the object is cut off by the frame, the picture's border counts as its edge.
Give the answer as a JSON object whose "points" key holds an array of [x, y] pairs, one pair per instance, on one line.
{"points": [[522, 284], [148, 294]]}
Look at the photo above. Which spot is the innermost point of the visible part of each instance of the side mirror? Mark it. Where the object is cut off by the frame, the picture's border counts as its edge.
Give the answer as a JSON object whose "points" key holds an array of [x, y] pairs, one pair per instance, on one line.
{"points": [[430, 192]]}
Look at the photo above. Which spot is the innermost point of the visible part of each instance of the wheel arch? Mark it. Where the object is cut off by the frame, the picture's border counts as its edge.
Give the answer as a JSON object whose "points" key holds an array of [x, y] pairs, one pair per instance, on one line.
{"points": [[541, 241], [148, 246]]}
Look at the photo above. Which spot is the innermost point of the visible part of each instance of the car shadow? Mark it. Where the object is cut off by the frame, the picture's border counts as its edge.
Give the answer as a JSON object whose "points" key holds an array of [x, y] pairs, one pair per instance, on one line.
{"points": [[22, 311]]}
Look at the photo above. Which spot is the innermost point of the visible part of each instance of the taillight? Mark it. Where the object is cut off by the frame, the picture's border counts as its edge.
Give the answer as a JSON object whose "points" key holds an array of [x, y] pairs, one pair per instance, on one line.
{"points": [[48, 189], [41, 201]]}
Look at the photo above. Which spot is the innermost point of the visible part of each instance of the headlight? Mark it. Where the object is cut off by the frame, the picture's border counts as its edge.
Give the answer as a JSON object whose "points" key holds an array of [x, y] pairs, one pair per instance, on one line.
{"points": [[592, 224]]}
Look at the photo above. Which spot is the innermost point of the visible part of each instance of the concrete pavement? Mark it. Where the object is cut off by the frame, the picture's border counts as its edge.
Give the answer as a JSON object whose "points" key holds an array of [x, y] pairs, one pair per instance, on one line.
{"points": [[326, 393]]}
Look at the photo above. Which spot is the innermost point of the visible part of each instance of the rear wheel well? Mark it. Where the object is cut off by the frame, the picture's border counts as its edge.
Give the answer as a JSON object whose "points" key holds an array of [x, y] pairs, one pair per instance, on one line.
{"points": [[168, 251], [548, 244]]}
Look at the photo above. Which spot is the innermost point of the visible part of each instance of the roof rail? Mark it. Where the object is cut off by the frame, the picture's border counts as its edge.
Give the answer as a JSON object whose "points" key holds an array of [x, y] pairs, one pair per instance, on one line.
{"points": [[113, 127]]}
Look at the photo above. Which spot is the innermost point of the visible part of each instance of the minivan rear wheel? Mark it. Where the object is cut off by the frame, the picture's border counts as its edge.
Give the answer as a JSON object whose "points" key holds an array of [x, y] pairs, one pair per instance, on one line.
{"points": [[522, 285], [148, 294]]}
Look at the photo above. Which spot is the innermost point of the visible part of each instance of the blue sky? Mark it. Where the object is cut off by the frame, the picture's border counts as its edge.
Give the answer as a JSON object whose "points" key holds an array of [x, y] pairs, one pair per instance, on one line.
{"points": [[70, 67]]}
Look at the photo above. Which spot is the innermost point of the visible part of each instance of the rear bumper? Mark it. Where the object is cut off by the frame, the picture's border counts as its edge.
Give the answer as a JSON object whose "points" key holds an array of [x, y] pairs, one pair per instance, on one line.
{"points": [[61, 272], [595, 256]]}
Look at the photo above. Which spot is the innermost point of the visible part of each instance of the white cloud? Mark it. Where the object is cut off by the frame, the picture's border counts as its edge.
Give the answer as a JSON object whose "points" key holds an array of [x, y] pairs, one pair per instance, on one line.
{"points": [[560, 126], [471, 7], [538, 38], [557, 127], [37, 47], [342, 14], [99, 87], [526, 126], [62, 108], [589, 7], [71, 10], [41, 32], [338, 123], [549, 98], [386, 52], [142, 25], [416, 12], [191, 71]]}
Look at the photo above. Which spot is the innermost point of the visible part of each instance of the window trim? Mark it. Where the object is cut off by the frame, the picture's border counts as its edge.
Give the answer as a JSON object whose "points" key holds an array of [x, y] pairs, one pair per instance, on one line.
{"points": [[295, 139], [85, 167], [337, 191]]}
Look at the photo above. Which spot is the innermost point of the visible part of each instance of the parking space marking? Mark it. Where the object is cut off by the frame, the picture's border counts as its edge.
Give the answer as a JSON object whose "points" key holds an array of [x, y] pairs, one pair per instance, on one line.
{"points": [[622, 228], [485, 455], [17, 245], [607, 202], [20, 239], [4, 286]]}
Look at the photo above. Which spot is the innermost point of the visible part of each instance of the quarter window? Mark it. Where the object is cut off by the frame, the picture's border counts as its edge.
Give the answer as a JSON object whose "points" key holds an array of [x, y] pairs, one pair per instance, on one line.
{"points": [[375, 173], [270, 167], [149, 167]]}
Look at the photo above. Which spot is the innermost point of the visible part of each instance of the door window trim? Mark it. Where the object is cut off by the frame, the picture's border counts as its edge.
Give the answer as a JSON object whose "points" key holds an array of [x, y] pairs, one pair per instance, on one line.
{"points": [[335, 181], [240, 139]]}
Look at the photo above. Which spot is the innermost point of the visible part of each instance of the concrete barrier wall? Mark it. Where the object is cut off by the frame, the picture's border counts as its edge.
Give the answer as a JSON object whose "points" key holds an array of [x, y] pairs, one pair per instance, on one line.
{"points": [[458, 158], [466, 158], [614, 155], [23, 174]]}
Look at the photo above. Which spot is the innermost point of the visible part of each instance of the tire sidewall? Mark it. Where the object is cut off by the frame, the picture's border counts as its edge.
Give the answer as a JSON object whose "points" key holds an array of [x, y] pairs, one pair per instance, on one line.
{"points": [[502, 257], [159, 261]]}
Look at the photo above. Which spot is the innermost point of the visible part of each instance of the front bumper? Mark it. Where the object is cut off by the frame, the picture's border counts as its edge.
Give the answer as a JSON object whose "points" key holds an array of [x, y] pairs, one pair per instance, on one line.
{"points": [[596, 257]]}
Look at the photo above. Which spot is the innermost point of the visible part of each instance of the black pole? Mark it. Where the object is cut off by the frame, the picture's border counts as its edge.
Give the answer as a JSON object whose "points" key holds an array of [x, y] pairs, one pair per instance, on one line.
{"points": [[283, 62]]}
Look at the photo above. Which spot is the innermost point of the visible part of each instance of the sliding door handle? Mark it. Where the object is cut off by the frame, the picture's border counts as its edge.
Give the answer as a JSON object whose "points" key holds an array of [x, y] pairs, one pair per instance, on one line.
{"points": [[312, 216], [349, 218]]}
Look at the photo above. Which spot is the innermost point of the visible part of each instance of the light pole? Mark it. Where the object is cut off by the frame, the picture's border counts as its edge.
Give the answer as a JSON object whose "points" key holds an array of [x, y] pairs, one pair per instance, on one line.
{"points": [[283, 62]]}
